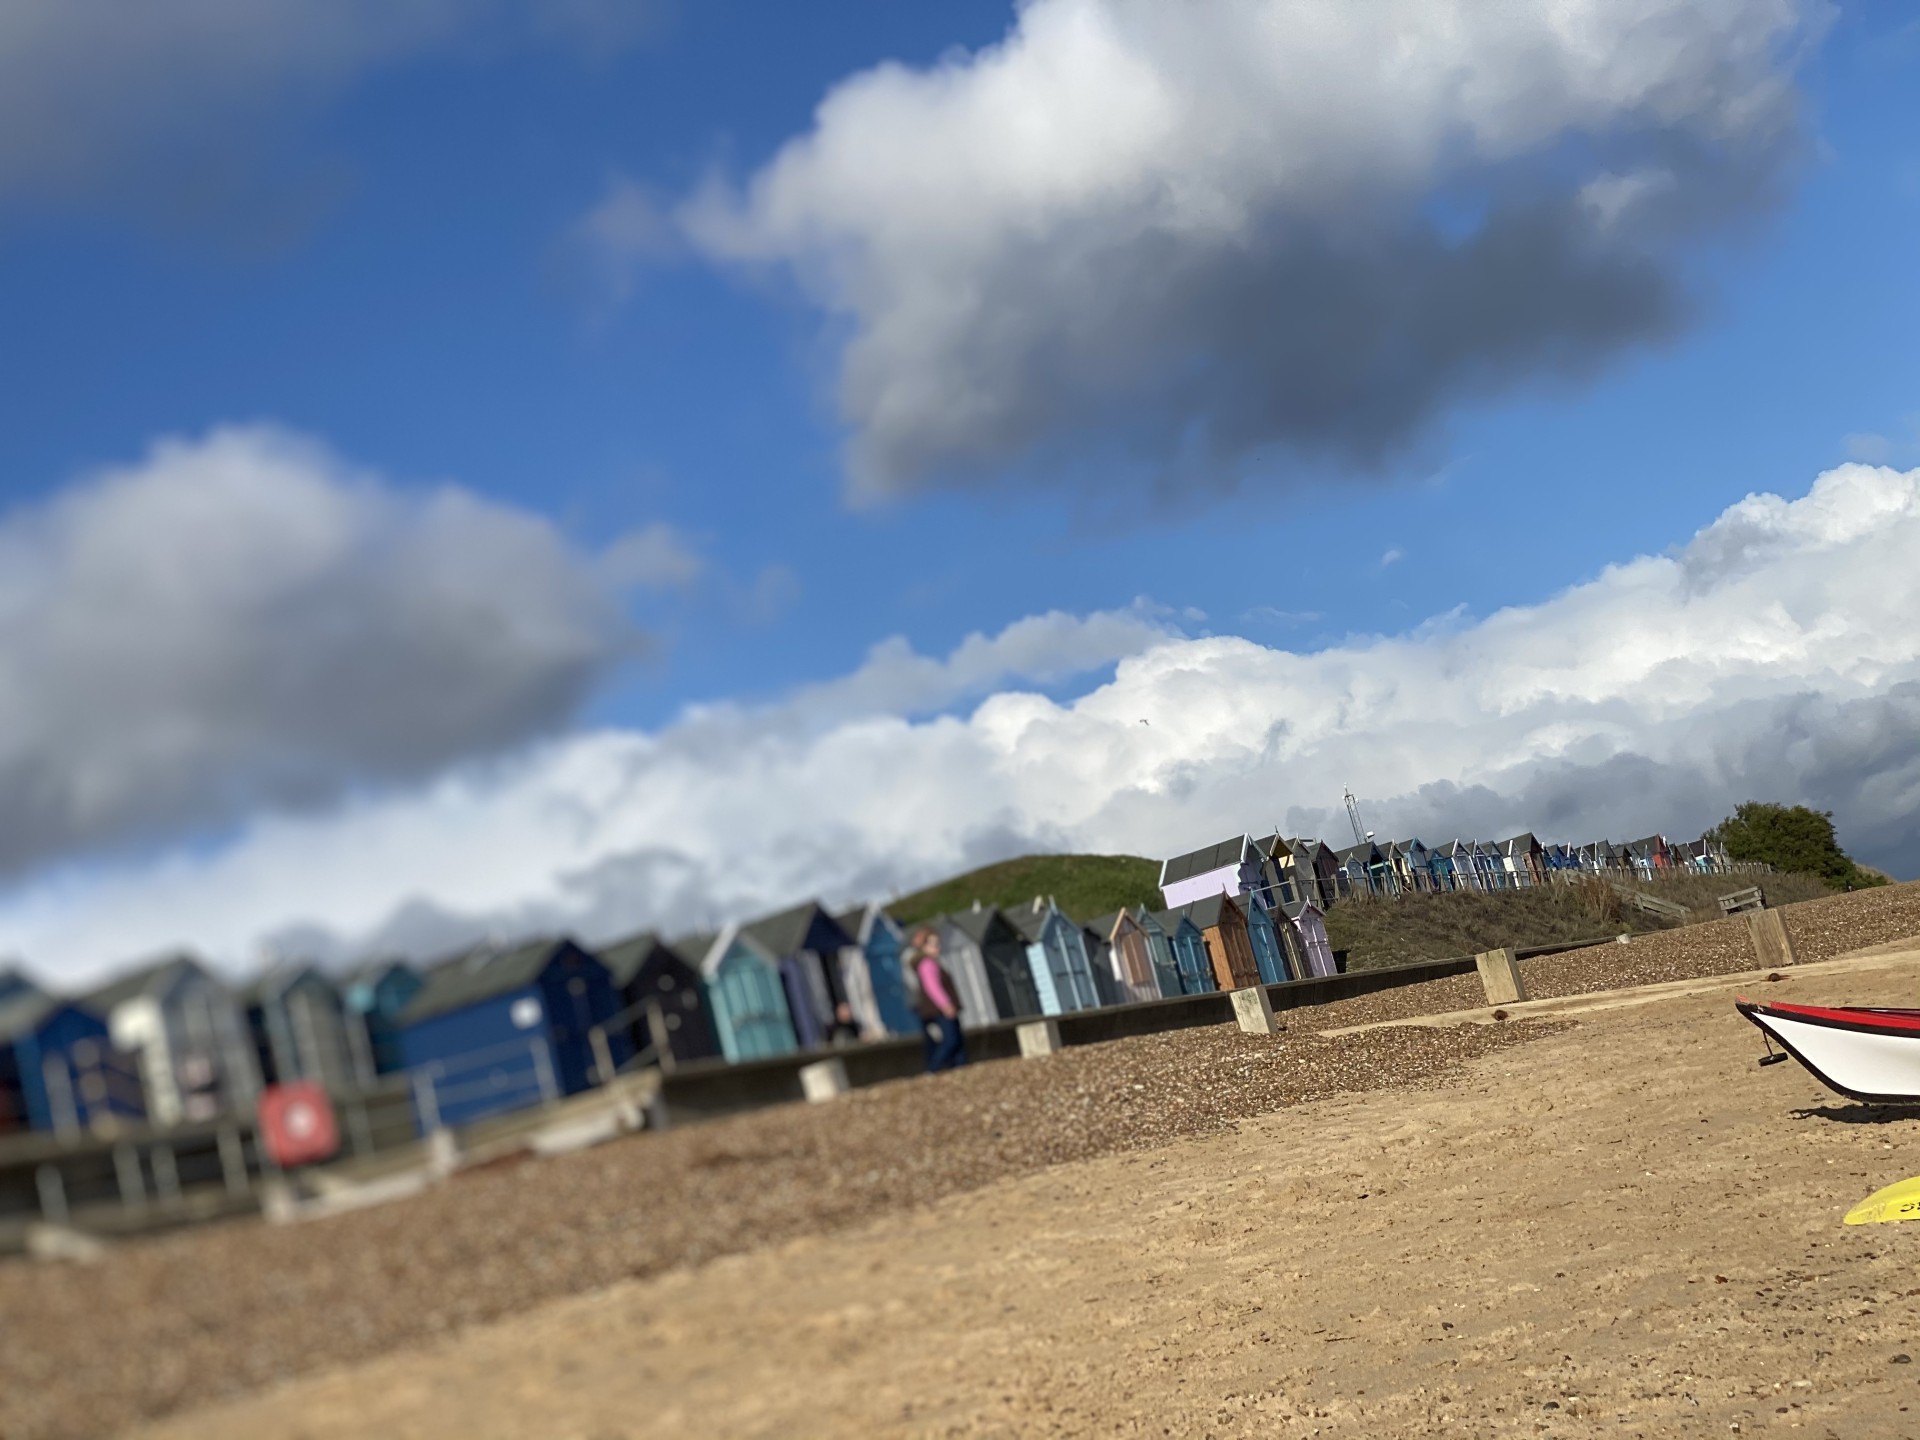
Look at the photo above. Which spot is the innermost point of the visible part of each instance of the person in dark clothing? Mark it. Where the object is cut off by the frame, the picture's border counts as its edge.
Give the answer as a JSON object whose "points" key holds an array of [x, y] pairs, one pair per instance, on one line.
{"points": [[936, 1000]]}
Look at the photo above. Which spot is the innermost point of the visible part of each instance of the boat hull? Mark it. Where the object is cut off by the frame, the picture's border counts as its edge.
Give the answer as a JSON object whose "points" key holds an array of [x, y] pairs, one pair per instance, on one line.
{"points": [[1871, 1055]]}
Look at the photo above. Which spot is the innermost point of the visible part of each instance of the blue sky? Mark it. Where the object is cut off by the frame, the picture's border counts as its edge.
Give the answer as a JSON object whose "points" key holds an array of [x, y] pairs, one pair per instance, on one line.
{"points": [[395, 267]]}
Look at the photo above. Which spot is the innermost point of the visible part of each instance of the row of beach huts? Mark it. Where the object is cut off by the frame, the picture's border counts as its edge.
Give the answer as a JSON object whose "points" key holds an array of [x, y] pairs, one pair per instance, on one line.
{"points": [[500, 1027]]}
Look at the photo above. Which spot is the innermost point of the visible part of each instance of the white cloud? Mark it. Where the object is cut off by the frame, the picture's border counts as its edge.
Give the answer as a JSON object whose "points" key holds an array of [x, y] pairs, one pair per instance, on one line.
{"points": [[1393, 555], [626, 229], [1774, 656], [243, 619], [654, 557], [1187, 234], [1874, 449]]}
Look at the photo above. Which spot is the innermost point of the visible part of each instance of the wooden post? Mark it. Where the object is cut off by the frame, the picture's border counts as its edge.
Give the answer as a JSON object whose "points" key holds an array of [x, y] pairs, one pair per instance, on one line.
{"points": [[824, 1079], [359, 1129], [1500, 977], [1254, 1011], [126, 1169], [166, 1174], [663, 1055], [1772, 946], [1037, 1038], [602, 1055], [233, 1160], [53, 1194], [543, 1071]]}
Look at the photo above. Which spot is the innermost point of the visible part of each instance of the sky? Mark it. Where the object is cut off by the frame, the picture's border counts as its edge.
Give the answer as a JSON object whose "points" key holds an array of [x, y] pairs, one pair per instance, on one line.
{"points": [[528, 465]]}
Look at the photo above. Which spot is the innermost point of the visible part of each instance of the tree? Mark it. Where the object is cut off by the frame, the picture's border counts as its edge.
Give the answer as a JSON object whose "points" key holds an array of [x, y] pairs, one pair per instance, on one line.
{"points": [[1792, 838]]}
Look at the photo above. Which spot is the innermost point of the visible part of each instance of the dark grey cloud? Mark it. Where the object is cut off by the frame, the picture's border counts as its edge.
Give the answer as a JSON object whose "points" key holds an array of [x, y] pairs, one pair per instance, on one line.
{"points": [[179, 109], [241, 621]]}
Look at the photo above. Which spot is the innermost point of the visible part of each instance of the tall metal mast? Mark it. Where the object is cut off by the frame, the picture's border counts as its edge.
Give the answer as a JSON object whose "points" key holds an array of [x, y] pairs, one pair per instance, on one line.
{"points": [[1353, 814]]}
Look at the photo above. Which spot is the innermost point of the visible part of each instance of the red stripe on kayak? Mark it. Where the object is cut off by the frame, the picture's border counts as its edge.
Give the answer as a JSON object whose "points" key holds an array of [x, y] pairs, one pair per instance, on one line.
{"points": [[1852, 1015]]}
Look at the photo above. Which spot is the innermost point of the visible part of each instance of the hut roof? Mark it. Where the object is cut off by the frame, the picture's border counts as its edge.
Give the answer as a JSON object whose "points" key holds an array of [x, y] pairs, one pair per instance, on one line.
{"points": [[785, 932], [1205, 860], [623, 958], [23, 1014], [1206, 912], [481, 975], [148, 979]]}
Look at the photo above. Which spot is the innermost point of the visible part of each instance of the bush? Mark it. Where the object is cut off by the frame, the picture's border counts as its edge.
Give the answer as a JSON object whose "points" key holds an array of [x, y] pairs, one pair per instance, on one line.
{"points": [[1793, 839]]}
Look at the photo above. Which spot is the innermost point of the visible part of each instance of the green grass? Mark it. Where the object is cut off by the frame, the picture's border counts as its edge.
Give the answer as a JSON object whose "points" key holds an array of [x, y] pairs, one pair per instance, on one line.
{"points": [[1082, 885]]}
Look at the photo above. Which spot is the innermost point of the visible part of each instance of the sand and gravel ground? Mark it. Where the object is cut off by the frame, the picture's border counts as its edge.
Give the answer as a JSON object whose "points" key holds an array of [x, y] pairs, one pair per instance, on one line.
{"points": [[1080, 1191], [1623, 1227]]}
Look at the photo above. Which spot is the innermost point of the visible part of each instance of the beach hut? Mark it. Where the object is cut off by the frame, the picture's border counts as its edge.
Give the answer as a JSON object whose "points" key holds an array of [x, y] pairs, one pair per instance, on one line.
{"points": [[496, 1029], [1364, 871], [1129, 957], [806, 942], [1189, 948], [662, 998], [1524, 859], [1228, 867], [746, 994], [59, 1071], [987, 958], [1451, 864], [188, 1037], [1489, 870], [1650, 858], [1057, 955], [1410, 865], [1223, 927], [1269, 956], [1098, 936], [374, 995], [300, 1028], [1306, 939], [1166, 971], [870, 968]]}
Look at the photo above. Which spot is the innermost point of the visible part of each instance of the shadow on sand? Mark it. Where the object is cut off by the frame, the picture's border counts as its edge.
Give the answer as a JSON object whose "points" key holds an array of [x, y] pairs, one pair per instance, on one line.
{"points": [[1860, 1114]]}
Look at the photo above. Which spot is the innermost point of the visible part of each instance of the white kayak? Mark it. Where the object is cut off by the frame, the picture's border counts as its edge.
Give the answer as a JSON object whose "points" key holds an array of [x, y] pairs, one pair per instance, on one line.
{"points": [[1867, 1054]]}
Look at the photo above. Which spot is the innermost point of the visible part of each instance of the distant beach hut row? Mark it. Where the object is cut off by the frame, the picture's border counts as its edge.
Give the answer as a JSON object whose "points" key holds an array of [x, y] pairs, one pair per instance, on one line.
{"points": [[494, 1028]]}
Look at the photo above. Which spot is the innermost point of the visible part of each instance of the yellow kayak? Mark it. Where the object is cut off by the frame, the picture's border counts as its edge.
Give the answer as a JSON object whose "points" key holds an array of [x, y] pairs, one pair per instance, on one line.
{"points": [[1900, 1201]]}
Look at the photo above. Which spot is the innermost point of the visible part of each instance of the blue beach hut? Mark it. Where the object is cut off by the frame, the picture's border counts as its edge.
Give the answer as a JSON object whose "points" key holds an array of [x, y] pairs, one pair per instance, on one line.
{"points": [[746, 995], [1189, 946], [1268, 955], [870, 969], [58, 1070], [497, 1030], [1057, 955], [806, 943], [375, 996]]}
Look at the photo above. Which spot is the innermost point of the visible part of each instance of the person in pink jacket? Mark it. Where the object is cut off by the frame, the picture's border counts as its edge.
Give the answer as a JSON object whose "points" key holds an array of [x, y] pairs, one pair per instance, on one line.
{"points": [[936, 1000]]}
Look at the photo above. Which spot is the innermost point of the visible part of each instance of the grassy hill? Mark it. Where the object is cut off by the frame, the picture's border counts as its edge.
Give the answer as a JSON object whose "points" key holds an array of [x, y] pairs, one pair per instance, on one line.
{"points": [[1082, 885]]}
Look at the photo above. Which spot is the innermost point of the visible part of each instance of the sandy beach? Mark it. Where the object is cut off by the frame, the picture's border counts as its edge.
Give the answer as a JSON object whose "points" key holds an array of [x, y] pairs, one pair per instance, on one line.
{"points": [[1623, 1226]]}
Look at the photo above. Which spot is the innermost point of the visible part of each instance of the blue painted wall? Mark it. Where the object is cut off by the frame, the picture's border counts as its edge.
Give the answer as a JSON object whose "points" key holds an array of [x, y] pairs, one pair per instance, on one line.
{"points": [[379, 1004], [1190, 958], [484, 1056], [24, 1065], [1267, 954], [748, 1002], [882, 952]]}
